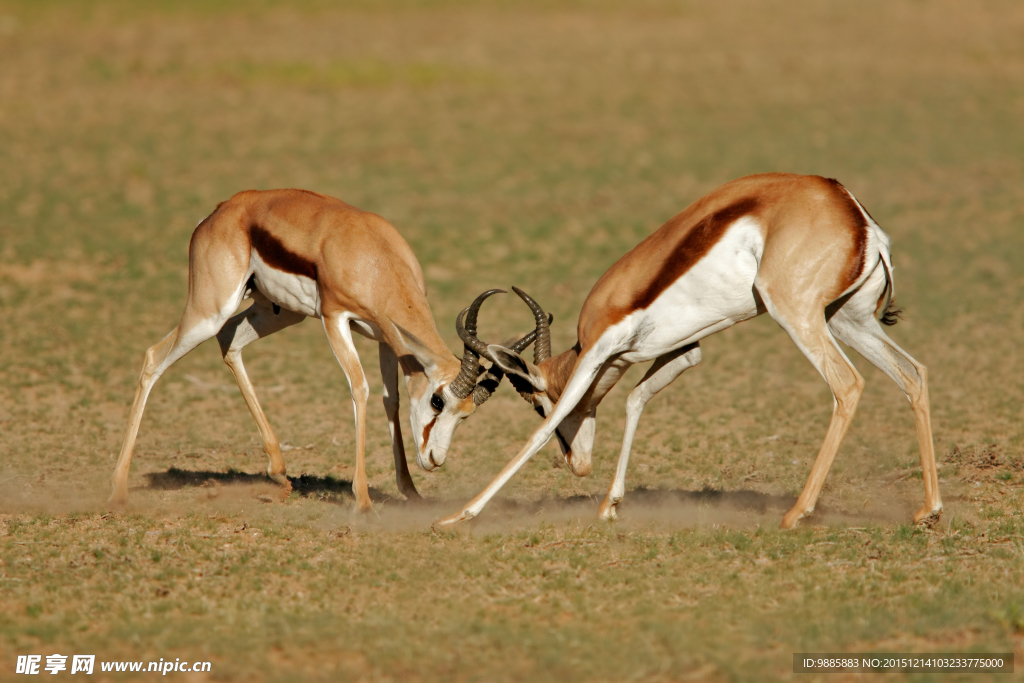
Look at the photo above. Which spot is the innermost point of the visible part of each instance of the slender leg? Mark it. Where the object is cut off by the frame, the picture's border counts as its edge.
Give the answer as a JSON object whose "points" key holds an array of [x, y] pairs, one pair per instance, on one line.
{"points": [[193, 330], [339, 333], [861, 330], [577, 431], [587, 368], [806, 326], [664, 371], [389, 372], [256, 322]]}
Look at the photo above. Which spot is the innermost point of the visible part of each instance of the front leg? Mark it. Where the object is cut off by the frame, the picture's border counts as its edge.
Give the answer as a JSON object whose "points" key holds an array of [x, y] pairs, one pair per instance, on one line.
{"points": [[389, 373], [664, 371], [340, 335], [583, 377]]}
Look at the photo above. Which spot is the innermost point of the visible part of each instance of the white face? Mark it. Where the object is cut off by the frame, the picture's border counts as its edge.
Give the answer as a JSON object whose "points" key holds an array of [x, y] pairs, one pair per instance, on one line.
{"points": [[434, 411], [435, 415]]}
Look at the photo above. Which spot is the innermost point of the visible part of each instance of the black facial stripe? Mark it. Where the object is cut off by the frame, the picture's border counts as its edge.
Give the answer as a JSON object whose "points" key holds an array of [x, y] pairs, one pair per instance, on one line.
{"points": [[562, 441]]}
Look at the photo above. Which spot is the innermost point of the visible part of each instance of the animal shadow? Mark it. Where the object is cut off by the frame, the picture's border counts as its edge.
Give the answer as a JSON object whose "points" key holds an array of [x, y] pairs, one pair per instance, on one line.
{"points": [[677, 507], [329, 489], [645, 498]]}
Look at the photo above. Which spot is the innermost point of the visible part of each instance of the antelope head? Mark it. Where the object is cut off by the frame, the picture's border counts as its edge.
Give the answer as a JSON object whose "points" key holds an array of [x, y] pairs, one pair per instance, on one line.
{"points": [[439, 401], [541, 384]]}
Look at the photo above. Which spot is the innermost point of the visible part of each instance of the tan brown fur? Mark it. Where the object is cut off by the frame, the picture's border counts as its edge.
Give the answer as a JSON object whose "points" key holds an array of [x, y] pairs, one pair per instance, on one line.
{"points": [[557, 370], [363, 264], [806, 268], [364, 273], [664, 256]]}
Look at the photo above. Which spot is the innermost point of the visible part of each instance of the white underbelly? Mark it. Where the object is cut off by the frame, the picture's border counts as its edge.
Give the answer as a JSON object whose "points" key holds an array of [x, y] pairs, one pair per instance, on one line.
{"points": [[715, 293], [293, 292]]}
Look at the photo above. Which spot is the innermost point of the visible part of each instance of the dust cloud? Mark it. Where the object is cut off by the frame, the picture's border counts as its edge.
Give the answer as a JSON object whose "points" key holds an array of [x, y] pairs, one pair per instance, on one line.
{"points": [[327, 503]]}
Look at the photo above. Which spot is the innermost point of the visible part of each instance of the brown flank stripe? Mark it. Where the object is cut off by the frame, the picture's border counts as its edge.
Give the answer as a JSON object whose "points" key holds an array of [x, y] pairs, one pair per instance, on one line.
{"points": [[859, 224], [277, 256], [693, 247]]}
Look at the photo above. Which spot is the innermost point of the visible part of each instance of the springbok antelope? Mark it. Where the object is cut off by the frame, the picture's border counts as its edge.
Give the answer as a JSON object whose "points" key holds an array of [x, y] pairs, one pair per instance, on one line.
{"points": [[297, 253], [801, 248]]}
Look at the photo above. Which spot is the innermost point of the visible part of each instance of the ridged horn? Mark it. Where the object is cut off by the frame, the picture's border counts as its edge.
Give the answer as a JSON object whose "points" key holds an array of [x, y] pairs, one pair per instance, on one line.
{"points": [[521, 344], [489, 380], [466, 381], [542, 349], [487, 384]]}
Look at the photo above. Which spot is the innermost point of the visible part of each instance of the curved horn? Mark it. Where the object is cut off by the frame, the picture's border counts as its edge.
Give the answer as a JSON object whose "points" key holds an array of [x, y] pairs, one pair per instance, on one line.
{"points": [[474, 309], [542, 349], [521, 345], [489, 380], [487, 384], [466, 381]]}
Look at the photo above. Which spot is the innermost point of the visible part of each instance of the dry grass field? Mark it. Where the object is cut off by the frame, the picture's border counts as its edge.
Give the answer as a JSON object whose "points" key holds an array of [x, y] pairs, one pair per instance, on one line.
{"points": [[527, 143]]}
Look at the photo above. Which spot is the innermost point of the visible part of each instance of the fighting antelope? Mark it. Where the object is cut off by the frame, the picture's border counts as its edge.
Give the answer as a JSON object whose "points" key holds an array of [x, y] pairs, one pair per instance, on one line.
{"points": [[801, 248], [297, 253]]}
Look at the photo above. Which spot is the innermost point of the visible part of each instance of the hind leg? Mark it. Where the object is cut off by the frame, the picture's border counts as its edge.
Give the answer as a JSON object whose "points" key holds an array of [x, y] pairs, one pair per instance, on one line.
{"points": [[805, 324], [202, 318], [256, 322], [855, 324]]}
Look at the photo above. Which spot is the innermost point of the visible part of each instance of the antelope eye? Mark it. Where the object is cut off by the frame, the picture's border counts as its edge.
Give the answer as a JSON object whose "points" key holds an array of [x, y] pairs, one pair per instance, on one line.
{"points": [[437, 403]]}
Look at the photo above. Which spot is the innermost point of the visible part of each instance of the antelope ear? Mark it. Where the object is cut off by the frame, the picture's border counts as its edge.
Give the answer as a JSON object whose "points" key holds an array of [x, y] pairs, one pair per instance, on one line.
{"points": [[515, 365], [417, 349]]}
